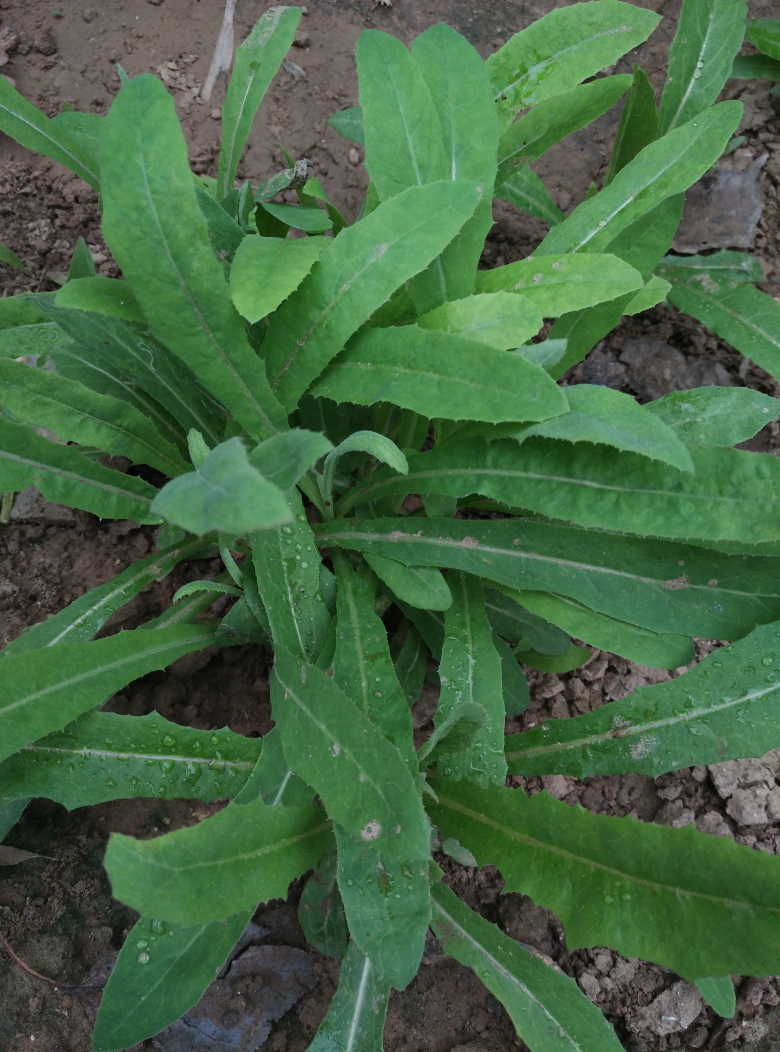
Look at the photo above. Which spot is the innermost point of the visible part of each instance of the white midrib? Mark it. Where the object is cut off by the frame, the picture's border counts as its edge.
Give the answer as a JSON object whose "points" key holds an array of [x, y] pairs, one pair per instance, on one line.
{"points": [[359, 1000]]}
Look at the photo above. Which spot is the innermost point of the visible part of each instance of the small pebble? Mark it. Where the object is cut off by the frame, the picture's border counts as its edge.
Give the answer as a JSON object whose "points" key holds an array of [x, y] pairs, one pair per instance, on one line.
{"points": [[216, 113], [353, 155]]}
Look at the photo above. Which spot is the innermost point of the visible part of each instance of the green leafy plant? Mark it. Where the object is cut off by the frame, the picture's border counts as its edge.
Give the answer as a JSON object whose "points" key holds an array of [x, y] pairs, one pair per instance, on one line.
{"points": [[284, 397]]}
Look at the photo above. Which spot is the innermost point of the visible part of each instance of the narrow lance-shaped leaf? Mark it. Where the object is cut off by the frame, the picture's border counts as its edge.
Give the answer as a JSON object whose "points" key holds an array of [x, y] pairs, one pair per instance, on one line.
{"points": [[709, 35], [362, 778], [638, 125], [160, 239], [255, 63], [104, 756], [520, 626], [723, 709], [755, 67], [86, 130], [420, 586], [44, 690], [526, 191], [695, 903], [548, 1009], [356, 1017], [162, 970], [226, 863], [321, 910]]}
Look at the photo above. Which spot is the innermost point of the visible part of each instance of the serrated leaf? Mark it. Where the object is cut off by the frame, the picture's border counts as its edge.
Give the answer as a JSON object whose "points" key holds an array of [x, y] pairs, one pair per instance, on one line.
{"points": [[102, 296], [547, 1008], [663, 586], [254, 65], [526, 191], [709, 35], [420, 586], [143, 996], [439, 374], [362, 778], [387, 904], [654, 292], [321, 910], [638, 125], [147, 187], [356, 1016], [559, 284], [284, 458], [497, 319], [103, 756], [719, 994], [65, 476], [266, 270], [604, 877], [43, 690], [21, 340], [363, 266], [715, 416], [557, 52], [226, 863], [272, 779], [349, 124]]}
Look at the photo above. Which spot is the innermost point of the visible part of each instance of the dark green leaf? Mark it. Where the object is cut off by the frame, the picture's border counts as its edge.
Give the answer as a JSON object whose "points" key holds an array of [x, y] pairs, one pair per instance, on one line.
{"points": [[10, 258], [313, 220], [514, 685], [321, 910], [24, 340], [272, 779], [419, 586], [225, 234], [86, 130], [521, 627], [526, 191], [755, 67], [10, 815], [284, 458], [721, 270], [638, 124], [715, 416], [356, 1016], [573, 657], [456, 733], [411, 664], [765, 34]]}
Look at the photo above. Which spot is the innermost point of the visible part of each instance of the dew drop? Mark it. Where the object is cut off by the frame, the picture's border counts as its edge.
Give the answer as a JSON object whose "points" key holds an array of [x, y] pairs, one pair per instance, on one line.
{"points": [[214, 739], [767, 661], [602, 222], [157, 926], [750, 671], [287, 529], [142, 944], [626, 897], [110, 783], [143, 958], [717, 664], [168, 740], [608, 900]]}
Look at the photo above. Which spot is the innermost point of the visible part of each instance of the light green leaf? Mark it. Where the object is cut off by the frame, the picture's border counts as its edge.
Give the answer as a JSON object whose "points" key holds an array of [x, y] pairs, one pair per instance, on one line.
{"points": [[159, 238], [440, 374], [10, 258], [267, 269], [604, 877], [709, 35], [349, 124], [22, 310], [719, 994], [226, 863], [144, 994], [765, 34], [43, 690], [284, 458], [723, 709], [103, 756], [66, 476], [363, 266], [526, 191], [552, 120], [548, 1009], [558, 284], [557, 52], [101, 295], [387, 903], [755, 67], [254, 65], [22, 340], [654, 292], [76, 414], [363, 780], [321, 909], [663, 586], [638, 124], [420, 586], [86, 130], [715, 416], [33, 129], [225, 493], [356, 1017], [498, 319], [470, 671], [664, 168]]}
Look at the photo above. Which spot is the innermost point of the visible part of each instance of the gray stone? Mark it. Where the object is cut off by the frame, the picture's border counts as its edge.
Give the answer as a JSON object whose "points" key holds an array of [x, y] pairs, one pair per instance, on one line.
{"points": [[654, 366], [31, 506], [748, 806], [722, 210], [674, 1009]]}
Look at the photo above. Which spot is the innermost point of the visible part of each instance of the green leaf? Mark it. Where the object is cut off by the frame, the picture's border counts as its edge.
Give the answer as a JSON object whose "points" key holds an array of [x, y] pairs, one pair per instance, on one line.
{"points": [[719, 994], [356, 1016], [764, 33], [77, 414], [22, 310], [520, 627], [378, 446], [205, 586], [349, 124], [715, 416], [526, 191], [101, 295], [552, 120], [653, 293], [722, 269], [663, 586], [103, 756], [387, 904], [755, 67], [659, 171], [284, 458], [321, 909], [84, 617], [225, 234], [698, 718], [730, 496], [470, 671], [30, 339], [514, 685], [144, 994], [548, 1009], [10, 815], [10, 258], [159, 238], [86, 130], [226, 863], [273, 780], [313, 220], [66, 476], [363, 780], [411, 664], [457, 732], [267, 269], [557, 52], [33, 129], [497, 319], [709, 35], [558, 284], [419, 586], [225, 493], [254, 65], [363, 266], [638, 124], [604, 877], [43, 690], [440, 374], [573, 657]]}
